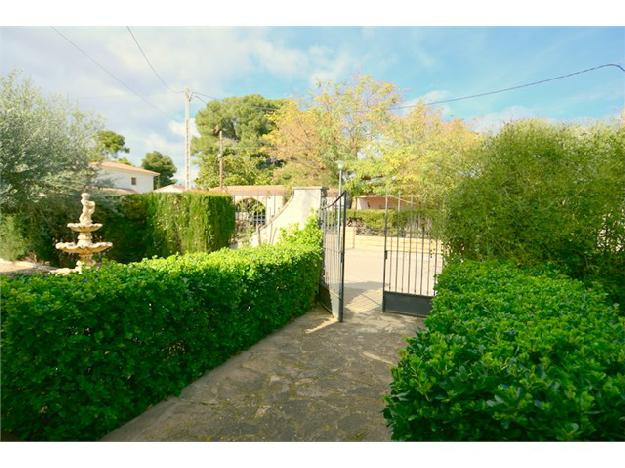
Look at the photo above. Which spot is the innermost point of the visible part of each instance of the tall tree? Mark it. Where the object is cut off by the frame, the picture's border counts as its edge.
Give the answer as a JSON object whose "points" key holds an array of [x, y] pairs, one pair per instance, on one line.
{"points": [[45, 146], [243, 122], [162, 164], [420, 154], [125, 160], [110, 144], [338, 123]]}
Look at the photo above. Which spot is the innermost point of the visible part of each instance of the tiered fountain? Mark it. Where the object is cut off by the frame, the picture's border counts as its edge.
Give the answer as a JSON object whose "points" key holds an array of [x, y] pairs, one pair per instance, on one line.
{"points": [[84, 247]]}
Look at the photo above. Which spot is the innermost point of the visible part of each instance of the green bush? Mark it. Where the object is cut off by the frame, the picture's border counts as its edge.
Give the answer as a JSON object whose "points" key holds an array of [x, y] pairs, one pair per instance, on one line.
{"points": [[82, 354], [371, 221], [140, 226], [511, 355], [12, 243], [162, 224], [547, 192]]}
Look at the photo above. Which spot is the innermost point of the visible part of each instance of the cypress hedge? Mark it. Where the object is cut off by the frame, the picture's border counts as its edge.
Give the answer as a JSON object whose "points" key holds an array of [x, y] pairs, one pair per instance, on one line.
{"points": [[163, 224], [511, 355], [84, 353], [140, 226]]}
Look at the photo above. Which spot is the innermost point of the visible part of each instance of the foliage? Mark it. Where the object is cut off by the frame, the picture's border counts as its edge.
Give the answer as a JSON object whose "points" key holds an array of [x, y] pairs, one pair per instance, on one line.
{"points": [[310, 234], [45, 146], [511, 355], [125, 161], [340, 121], [162, 224], [371, 221], [139, 226], [162, 164], [83, 354], [545, 192], [109, 144], [12, 243], [243, 122], [419, 154]]}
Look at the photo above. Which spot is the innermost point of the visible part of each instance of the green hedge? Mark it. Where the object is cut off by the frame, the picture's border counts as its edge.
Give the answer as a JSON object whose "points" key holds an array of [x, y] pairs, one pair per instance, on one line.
{"points": [[163, 224], [546, 193], [82, 354], [371, 221], [511, 355], [140, 226]]}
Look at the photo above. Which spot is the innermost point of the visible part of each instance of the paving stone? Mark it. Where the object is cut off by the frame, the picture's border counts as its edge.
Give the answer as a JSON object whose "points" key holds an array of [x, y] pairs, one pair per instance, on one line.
{"points": [[313, 380]]}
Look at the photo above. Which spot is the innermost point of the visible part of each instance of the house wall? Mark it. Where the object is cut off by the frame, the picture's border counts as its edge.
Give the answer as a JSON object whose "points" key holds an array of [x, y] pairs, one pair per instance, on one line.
{"points": [[122, 179]]}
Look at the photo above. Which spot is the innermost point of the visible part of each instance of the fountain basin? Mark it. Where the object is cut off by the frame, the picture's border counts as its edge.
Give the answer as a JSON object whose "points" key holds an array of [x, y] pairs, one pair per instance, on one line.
{"points": [[78, 227], [72, 247]]}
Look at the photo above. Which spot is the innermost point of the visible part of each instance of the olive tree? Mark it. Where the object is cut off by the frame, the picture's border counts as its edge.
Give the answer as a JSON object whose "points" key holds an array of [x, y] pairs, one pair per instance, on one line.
{"points": [[45, 145]]}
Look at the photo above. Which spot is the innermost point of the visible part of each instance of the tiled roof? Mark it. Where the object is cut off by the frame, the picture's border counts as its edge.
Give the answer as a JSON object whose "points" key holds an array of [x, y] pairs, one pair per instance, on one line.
{"points": [[243, 190], [173, 188], [126, 167]]}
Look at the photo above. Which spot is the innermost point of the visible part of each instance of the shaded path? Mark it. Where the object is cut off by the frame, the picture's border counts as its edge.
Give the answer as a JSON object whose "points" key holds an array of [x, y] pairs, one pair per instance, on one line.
{"points": [[313, 380]]}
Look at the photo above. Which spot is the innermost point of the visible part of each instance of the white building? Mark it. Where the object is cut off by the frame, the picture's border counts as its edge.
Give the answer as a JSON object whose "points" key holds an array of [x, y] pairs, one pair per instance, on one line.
{"points": [[125, 178]]}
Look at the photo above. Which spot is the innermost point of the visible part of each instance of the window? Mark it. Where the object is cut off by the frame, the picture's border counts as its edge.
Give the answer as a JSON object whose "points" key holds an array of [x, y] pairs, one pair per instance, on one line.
{"points": [[133, 181]]}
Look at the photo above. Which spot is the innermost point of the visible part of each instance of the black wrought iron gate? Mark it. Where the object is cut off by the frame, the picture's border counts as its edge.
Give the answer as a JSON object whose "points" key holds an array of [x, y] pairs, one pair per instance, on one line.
{"points": [[332, 219], [413, 256]]}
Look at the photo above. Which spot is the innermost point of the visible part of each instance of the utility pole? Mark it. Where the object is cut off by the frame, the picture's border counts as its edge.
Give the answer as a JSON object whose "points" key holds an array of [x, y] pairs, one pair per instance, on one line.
{"points": [[221, 160], [187, 139]]}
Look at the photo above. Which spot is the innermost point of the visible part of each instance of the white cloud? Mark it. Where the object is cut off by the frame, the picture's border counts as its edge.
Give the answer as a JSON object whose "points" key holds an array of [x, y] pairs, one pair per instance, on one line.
{"points": [[431, 96], [177, 128], [492, 122], [207, 60]]}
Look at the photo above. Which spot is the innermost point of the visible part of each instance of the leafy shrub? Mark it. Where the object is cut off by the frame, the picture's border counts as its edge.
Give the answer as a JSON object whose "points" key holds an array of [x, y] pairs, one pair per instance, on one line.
{"points": [[82, 354], [162, 224], [547, 192], [371, 221], [310, 234], [12, 243], [140, 226], [511, 355]]}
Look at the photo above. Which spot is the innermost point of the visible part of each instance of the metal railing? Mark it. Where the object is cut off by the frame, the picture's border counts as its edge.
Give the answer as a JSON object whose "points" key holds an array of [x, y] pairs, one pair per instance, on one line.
{"points": [[413, 257], [332, 220]]}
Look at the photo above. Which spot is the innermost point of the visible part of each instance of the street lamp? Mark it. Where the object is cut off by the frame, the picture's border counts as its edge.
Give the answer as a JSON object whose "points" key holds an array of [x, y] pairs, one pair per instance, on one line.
{"points": [[340, 165]]}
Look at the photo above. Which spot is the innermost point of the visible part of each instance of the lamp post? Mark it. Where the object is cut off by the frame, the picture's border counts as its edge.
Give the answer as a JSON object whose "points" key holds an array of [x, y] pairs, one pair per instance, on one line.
{"points": [[340, 165]]}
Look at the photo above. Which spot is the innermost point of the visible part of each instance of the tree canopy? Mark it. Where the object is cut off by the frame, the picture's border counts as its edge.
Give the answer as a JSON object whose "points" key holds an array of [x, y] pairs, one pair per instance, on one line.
{"points": [[164, 165], [420, 153], [45, 145], [337, 123], [110, 144], [243, 122]]}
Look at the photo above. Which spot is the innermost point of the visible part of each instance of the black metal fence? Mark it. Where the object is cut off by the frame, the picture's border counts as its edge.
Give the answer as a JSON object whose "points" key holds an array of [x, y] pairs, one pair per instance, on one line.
{"points": [[332, 219], [413, 256]]}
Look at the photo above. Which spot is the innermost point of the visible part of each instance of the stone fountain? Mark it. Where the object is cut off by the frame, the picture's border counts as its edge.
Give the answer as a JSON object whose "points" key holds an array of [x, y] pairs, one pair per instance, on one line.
{"points": [[84, 247]]}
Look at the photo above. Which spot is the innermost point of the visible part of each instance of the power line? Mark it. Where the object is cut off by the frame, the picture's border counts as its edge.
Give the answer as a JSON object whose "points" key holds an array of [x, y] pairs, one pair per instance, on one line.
{"points": [[105, 70], [487, 93], [150, 63]]}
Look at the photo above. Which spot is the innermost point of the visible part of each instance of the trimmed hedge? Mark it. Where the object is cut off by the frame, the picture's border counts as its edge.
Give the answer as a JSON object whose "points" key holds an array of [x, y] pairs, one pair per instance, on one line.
{"points": [[82, 354], [140, 226], [371, 221], [163, 224], [511, 355]]}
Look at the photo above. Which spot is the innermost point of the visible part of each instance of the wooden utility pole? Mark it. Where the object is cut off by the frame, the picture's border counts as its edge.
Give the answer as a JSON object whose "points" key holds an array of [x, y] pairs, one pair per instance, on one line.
{"points": [[187, 140], [221, 160]]}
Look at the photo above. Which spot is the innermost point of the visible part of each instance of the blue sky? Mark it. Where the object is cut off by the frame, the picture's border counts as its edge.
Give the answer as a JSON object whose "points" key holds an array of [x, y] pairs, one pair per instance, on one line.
{"points": [[424, 62]]}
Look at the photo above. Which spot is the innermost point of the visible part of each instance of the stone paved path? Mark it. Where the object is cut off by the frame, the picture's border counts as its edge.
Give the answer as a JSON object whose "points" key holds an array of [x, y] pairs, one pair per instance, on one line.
{"points": [[313, 380]]}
